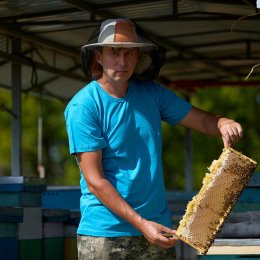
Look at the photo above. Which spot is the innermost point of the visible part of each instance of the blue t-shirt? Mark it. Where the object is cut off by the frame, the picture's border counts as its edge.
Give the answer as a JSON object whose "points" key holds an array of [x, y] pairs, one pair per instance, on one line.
{"points": [[128, 130]]}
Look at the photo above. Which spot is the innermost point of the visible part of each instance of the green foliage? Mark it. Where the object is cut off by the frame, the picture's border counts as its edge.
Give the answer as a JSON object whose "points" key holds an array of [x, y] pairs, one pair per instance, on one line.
{"points": [[173, 156], [61, 168], [240, 104], [5, 133]]}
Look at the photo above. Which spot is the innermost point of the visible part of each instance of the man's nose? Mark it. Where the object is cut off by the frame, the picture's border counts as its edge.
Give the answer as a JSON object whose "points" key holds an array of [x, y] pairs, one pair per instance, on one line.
{"points": [[122, 60]]}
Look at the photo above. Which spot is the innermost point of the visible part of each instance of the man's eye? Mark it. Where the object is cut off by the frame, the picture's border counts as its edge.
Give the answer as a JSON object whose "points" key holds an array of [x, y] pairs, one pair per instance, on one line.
{"points": [[130, 52]]}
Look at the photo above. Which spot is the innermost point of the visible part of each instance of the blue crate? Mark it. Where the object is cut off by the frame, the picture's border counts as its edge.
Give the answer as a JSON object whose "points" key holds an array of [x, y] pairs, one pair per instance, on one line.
{"points": [[9, 249], [22, 183], [61, 198], [20, 199], [229, 257], [8, 214], [250, 195], [254, 180]]}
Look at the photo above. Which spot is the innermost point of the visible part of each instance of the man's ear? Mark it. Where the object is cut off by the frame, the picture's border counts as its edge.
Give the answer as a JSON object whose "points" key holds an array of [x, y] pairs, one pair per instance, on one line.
{"points": [[96, 69], [97, 57]]}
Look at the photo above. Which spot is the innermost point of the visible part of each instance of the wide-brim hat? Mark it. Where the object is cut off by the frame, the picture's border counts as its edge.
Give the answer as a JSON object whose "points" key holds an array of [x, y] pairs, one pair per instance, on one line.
{"points": [[123, 33]]}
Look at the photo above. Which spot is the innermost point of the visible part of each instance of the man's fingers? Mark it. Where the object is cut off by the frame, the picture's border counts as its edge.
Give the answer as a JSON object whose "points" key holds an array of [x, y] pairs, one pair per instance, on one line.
{"points": [[231, 134], [167, 232], [240, 131], [168, 240]]}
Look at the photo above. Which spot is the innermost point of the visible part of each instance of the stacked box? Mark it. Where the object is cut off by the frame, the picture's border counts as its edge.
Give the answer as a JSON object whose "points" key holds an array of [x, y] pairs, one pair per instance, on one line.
{"points": [[22, 194], [70, 242], [56, 197], [177, 201], [61, 213], [250, 199], [240, 234], [244, 221], [70, 239], [53, 242], [9, 243], [30, 234], [227, 257], [35, 223]]}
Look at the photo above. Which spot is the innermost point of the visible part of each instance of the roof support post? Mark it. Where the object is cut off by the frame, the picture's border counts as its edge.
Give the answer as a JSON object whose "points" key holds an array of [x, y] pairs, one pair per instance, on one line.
{"points": [[175, 8], [188, 160], [188, 157], [16, 108]]}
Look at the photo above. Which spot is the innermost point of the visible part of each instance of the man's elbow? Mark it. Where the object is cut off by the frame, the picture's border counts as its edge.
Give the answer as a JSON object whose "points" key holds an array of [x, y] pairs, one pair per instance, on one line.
{"points": [[95, 187], [92, 189]]}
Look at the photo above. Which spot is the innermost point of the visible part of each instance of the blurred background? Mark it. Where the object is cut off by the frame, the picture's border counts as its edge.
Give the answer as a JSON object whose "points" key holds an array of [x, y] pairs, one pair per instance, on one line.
{"points": [[211, 48], [241, 104]]}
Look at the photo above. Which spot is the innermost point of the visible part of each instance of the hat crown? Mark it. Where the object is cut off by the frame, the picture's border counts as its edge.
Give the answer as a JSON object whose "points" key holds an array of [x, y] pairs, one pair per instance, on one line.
{"points": [[117, 30], [123, 33]]}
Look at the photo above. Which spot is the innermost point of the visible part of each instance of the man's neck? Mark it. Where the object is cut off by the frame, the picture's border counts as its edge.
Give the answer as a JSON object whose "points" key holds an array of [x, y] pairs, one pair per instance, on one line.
{"points": [[116, 90]]}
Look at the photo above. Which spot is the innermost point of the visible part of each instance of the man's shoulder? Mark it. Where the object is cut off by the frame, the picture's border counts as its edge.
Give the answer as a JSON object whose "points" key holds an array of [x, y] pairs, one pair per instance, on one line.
{"points": [[148, 85], [83, 98], [85, 93]]}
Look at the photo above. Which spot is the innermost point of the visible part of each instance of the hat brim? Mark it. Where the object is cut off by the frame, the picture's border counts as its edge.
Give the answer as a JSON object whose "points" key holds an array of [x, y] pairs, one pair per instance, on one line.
{"points": [[120, 45]]}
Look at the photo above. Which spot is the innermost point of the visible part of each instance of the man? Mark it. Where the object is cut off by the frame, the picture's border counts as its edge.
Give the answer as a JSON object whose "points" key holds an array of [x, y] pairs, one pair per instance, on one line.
{"points": [[114, 129]]}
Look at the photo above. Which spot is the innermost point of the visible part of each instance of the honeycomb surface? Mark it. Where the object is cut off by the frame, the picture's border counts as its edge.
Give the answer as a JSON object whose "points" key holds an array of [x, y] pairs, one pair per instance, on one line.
{"points": [[222, 186]]}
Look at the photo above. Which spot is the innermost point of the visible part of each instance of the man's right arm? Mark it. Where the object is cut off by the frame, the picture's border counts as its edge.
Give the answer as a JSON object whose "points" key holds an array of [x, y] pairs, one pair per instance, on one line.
{"points": [[91, 166]]}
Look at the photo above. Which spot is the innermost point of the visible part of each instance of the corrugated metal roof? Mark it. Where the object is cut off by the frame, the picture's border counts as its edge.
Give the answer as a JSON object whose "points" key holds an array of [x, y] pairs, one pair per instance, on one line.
{"points": [[205, 39]]}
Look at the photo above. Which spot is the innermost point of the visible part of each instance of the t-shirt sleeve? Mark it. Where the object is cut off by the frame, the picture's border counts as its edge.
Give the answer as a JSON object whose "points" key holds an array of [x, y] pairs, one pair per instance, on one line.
{"points": [[173, 108], [83, 128]]}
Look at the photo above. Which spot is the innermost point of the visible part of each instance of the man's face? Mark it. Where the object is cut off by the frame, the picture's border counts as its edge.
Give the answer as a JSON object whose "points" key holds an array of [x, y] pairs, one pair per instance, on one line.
{"points": [[118, 63]]}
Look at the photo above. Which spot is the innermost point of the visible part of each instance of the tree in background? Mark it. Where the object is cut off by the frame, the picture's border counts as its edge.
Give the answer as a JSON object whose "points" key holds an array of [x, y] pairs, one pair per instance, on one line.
{"points": [[60, 167], [5, 133], [241, 104]]}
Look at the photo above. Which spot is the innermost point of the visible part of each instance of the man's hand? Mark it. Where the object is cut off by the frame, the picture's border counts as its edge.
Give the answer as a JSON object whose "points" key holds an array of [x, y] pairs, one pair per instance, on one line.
{"points": [[230, 130], [155, 234]]}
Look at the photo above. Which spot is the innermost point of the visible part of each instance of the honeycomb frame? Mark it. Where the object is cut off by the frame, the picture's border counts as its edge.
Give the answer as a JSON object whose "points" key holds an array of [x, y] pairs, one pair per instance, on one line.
{"points": [[207, 211]]}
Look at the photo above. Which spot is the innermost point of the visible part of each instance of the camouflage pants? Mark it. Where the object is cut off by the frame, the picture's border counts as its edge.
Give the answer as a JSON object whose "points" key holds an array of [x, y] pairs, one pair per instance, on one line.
{"points": [[121, 248]]}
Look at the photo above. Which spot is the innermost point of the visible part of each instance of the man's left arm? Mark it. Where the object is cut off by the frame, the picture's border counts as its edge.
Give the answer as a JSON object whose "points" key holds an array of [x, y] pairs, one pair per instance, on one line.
{"points": [[207, 123]]}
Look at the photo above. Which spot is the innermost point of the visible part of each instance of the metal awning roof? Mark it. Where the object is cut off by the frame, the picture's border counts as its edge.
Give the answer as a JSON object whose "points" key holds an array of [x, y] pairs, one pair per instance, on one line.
{"points": [[207, 41]]}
